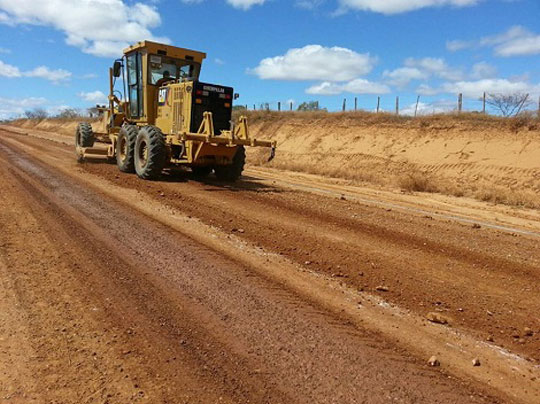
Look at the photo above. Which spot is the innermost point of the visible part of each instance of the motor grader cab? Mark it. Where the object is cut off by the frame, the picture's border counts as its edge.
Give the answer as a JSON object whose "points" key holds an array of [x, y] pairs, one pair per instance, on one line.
{"points": [[166, 116]]}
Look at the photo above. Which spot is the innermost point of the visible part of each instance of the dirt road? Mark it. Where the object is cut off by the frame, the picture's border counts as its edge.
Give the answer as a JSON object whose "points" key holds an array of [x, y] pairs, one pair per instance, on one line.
{"points": [[117, 290]]}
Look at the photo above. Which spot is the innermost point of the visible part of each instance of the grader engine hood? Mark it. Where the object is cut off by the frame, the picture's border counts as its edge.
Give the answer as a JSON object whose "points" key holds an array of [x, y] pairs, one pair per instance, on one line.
{"points": [[215, 99]]}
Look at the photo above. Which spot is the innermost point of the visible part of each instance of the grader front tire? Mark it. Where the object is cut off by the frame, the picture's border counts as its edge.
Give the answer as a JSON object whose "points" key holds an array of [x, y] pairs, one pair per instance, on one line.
{"points": [[233, 171], [125, 148], [84, 136], [150, 153]]}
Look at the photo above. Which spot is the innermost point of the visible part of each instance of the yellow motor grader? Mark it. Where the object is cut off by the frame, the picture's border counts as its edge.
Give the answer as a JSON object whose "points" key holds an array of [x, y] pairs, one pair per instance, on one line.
{"points": [[167, 117]]}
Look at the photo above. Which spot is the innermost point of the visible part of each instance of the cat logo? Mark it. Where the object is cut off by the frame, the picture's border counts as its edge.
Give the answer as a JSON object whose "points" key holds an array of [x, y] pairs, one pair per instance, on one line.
{"points": [[163, 95]]}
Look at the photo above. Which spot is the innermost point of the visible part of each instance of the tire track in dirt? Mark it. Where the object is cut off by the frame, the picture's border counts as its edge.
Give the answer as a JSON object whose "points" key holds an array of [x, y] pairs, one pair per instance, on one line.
{"points": [[480, 279], [222, 203], [245, 337]]}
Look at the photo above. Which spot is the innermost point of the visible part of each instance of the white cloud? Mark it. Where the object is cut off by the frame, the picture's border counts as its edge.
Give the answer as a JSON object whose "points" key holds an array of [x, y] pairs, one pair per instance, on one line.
{"points": [[400, 6], [435, 66], [101, 28], [44, 72], [240, 4], [309, 4], [483, 70], [356, 86], [422, 69], [56, 76], [219, 61], [517, 41], [475, 88], [315, 62], [457, 45], [4, 19], [95, 97], [245, 4], [437, 107], [426, 89], [5, 50], [10, 71], [12, 107], [404, 75]]}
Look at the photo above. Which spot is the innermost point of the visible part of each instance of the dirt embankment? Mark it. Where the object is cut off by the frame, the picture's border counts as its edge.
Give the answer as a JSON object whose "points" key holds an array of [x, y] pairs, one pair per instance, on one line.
{"points": [[487, 158], [66, 127]]}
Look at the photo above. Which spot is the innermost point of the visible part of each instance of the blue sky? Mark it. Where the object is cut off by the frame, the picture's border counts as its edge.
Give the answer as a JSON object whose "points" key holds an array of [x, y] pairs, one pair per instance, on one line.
{"points": [[55, 53]]}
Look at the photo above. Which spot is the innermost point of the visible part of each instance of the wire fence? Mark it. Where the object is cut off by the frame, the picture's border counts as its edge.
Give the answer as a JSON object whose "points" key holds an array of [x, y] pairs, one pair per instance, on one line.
{"points": [[419, 106]]}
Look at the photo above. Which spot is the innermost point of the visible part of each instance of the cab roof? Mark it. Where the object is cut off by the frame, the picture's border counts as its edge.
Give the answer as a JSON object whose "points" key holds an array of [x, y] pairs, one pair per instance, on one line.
{"points": [[166, 50]]}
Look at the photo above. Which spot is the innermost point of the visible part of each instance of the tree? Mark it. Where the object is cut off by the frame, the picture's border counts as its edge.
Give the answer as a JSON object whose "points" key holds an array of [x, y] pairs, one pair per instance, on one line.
{"points": [[309, 106], [508, 104], [93, 112], [36, 113], [69, 113]]}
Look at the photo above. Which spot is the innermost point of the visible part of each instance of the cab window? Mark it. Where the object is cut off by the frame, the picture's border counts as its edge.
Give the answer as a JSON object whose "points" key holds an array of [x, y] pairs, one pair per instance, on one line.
{"points": [[163, 67], [134, 78]]}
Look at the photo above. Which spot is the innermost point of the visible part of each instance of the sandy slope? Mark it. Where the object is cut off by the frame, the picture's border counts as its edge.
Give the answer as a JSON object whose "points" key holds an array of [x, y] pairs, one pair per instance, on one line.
{"points": [[452, 156]]}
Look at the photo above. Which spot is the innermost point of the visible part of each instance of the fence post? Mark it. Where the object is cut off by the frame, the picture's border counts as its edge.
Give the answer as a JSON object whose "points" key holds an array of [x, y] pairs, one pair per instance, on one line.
{"points": [[378, 103], [460, 103], [344, 104], [254, 108], [291, 105], [355, 103], [484, 103], [279, 106], [416, 109], [246, 107], [397, 105]]}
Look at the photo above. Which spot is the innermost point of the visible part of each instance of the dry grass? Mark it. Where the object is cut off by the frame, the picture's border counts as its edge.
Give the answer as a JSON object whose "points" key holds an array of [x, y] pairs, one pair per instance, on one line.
{"points": [[407, 178], [56, 120], [362, 118], [506, 196], [418, 181]]}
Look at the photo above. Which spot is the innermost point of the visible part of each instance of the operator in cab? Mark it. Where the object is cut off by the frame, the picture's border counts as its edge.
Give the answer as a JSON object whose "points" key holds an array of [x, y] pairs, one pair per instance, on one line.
{"points": [[165, 79]]}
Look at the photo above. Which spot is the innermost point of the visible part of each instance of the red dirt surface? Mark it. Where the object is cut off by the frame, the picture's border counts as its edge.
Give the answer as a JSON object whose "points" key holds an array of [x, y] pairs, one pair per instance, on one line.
{"points": [[101, 302]]}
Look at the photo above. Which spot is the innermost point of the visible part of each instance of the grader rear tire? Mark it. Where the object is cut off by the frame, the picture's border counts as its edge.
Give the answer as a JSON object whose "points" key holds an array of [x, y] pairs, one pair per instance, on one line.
{"points": [[84, 137], [233, 171], [150, 153], [125, 148]]}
